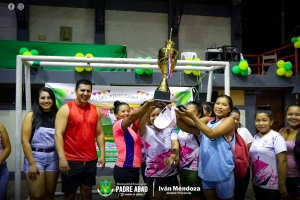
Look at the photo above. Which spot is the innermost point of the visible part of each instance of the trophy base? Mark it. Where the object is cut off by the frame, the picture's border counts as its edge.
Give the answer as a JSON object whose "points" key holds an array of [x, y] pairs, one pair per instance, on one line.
{"points": [[163, 96]]}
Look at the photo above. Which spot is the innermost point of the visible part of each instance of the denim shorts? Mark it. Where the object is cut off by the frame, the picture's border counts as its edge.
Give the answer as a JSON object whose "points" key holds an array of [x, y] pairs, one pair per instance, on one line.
{"points": [[293, 186], [224, 190], [45, 162], [4, 177]]}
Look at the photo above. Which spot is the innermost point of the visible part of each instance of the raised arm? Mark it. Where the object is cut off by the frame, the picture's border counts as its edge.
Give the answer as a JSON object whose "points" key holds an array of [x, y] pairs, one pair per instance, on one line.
{"points": [[100, 140], [5, 143], [127, 121], [61, 121], [226, 127], [143, 121]]}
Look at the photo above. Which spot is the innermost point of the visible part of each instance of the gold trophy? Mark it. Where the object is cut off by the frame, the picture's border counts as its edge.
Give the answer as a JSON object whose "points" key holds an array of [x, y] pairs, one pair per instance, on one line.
{"points": [[167, 59]]}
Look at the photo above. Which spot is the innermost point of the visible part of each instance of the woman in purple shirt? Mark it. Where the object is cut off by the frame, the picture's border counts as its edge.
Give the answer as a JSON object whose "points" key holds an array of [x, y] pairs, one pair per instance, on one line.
{"points": [[291, 134]]}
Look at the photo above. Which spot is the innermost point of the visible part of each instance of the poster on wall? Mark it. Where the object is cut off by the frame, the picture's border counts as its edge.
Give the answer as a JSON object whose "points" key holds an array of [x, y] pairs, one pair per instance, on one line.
{"points": [[104, 96]]}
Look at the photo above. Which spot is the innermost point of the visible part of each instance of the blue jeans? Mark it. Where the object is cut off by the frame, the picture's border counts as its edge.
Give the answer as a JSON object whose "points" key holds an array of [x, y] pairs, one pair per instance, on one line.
{"points": [[3, 180]]}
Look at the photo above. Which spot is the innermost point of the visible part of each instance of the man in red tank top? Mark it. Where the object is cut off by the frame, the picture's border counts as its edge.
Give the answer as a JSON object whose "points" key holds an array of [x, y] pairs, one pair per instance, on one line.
{"points": [[77, 126]]}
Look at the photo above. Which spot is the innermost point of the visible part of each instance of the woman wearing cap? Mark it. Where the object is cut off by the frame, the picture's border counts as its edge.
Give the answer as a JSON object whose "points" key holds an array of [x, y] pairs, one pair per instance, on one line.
{"points": [[161, 147], [216, 164], [128, 143], [189, 153]]}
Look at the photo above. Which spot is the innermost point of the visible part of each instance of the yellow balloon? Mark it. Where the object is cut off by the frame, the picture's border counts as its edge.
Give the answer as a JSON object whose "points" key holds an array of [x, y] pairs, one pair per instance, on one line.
{"points": [[27, 53], [89, 55], [280, 71], [243, 65], [196, 73], [288, 73], [187, 71], [79, 69], [280, 63], [297, 44], [189, 59], [79, 55], [197, 59]]}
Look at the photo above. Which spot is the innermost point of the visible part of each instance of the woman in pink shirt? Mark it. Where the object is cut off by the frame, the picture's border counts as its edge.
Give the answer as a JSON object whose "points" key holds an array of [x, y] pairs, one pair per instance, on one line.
{"points": [[291, 134], [128, 143]]}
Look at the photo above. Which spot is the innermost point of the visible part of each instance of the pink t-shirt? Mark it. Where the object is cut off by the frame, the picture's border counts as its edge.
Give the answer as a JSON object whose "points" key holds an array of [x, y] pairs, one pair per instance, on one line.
{"points": [[158, 147], [291, 161], [264, 162], [189, 151], [129, 146]]}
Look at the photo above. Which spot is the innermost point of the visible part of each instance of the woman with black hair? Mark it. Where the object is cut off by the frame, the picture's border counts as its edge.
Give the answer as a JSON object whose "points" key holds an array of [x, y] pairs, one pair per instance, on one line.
{"points": [[129, 145], [208, 109], [241, 185], [41, 159], [291, 134], [216, 165], [189, 155], [269, 158]]}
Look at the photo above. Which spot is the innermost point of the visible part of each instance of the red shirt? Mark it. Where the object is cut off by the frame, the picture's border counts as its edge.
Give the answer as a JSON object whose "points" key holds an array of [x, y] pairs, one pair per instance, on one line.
{"points": [[80, 134]]}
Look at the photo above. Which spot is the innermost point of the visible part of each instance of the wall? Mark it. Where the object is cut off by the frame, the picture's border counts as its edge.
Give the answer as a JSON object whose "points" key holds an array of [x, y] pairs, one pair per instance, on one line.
{"points": [[7, 118], [197, 33], [46, 20], [144, 33], [8, 23]]}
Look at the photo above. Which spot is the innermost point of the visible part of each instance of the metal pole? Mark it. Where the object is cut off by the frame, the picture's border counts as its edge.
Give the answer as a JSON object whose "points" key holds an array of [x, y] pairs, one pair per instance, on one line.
{"points": [[18, 128], [209, 86], [28, 88], [227, 79]]}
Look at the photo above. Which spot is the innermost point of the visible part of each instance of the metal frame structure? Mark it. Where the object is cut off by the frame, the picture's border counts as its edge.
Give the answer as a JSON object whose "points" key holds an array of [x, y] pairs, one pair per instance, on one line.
{"points": [[63, 61]]}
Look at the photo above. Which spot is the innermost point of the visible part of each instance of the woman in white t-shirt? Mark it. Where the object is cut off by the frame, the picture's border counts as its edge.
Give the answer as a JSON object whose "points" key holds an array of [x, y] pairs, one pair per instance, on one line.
{"points": [[269, 158], [189, 155], [161, 147], [241, 185]]}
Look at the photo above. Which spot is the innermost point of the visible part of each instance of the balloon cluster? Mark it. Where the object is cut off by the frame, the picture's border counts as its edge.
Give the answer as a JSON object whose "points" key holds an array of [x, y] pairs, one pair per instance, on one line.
{"points": [[296, 41], [80, 69], [196, 72], [242, 68], [141, 71], [284, 68], [25, 52]]}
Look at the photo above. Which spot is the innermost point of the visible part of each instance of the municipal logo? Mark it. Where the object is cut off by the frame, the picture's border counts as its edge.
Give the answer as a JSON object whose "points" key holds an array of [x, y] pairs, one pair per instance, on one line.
{"points": [[105, 188]]}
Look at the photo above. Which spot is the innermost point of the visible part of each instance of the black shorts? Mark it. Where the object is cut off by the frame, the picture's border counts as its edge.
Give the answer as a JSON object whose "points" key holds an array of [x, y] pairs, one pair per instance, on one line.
{"points": [[126, 176], [80, 173], [168, 181], [293, 186]]}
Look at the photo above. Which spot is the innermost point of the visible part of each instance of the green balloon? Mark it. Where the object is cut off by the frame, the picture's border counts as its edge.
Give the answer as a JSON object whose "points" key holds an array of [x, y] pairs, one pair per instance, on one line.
{"points": [[236, 69], [140, 57], [34, 52], [244, 72], [287, 66], [294, 39], [243, 60], [139, 71], [22, 50], [149, 71], [148, 57]]}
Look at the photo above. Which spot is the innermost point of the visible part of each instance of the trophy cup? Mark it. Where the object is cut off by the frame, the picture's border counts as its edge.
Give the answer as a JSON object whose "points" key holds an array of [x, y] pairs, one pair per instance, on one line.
{"points": [[167, 59]]}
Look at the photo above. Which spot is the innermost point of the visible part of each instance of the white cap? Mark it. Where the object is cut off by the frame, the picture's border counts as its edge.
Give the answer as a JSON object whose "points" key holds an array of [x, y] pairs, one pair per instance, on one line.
{"points": [[166, 118]]}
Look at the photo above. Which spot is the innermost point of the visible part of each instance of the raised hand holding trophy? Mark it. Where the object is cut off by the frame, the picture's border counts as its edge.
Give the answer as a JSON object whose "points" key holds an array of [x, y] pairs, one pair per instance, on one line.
{"points": [[167, 59]]}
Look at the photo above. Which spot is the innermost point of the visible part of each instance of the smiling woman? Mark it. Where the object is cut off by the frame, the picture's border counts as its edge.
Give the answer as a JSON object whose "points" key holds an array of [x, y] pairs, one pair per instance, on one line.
{"points": [[268, 156], [41, 160]]}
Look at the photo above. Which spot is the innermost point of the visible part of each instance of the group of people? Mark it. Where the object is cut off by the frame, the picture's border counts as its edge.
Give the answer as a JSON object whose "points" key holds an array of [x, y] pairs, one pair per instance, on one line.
{"points": [[63, 140]]}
